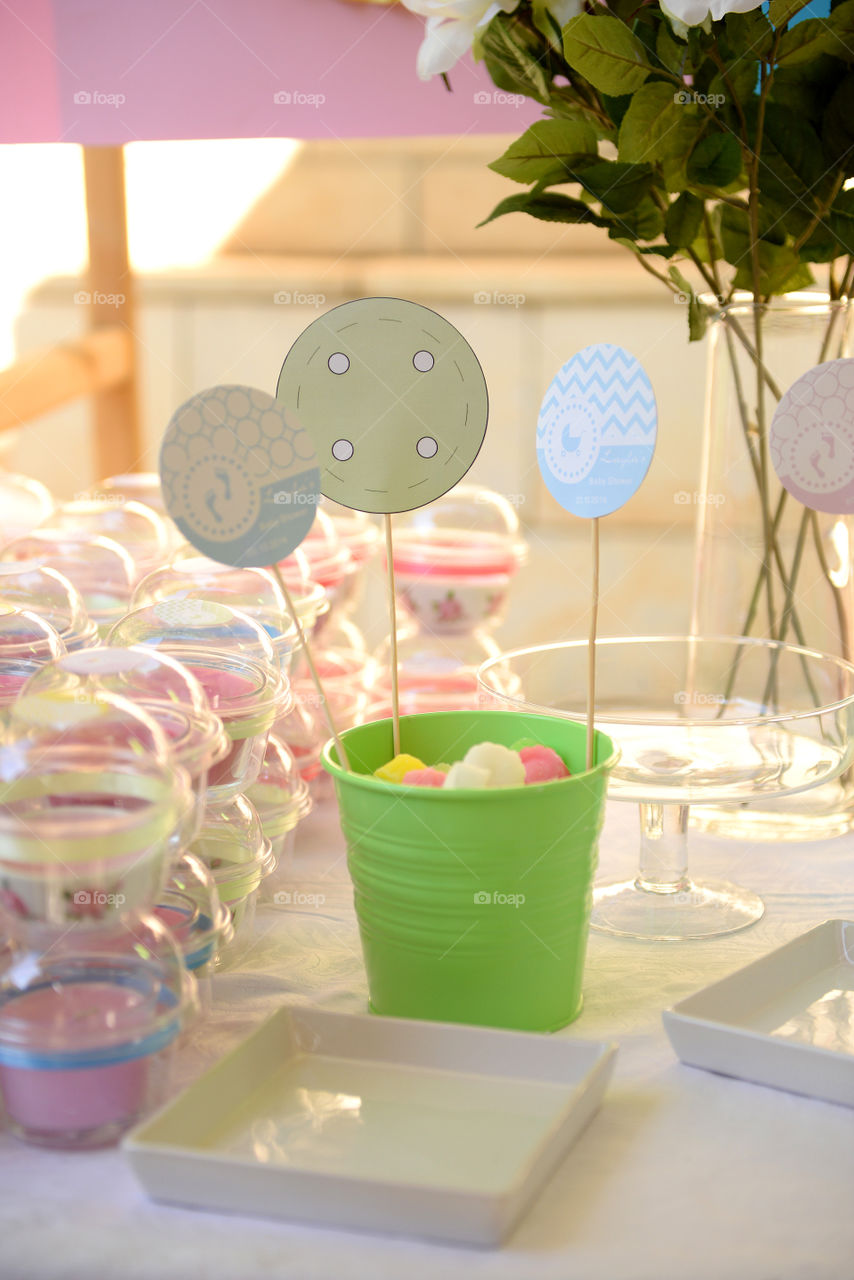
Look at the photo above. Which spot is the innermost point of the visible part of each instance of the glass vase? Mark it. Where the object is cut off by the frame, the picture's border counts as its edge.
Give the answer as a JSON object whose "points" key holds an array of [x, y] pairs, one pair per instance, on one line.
{"points": [[765, 565]]}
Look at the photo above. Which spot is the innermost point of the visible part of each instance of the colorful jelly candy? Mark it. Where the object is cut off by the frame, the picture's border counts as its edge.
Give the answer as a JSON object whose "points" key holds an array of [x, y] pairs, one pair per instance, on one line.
{"points": [[464, 776], [397, 768], [541, 764], [503, 766], [426, 777]]}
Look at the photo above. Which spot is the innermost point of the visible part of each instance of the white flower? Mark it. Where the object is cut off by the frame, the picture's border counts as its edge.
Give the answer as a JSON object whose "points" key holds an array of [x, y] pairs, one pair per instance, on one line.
{"points": [[696, 13], [450, 29]]}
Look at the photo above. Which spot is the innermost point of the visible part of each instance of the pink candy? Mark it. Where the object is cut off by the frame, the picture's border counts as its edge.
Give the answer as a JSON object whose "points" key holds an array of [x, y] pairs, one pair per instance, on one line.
{"points": [[542, 765], [424, 778]]}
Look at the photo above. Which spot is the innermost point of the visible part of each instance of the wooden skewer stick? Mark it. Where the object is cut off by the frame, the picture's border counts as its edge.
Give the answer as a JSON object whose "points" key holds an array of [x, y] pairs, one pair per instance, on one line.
{"points": [[339, 745], [392, 621], [591, 645]]}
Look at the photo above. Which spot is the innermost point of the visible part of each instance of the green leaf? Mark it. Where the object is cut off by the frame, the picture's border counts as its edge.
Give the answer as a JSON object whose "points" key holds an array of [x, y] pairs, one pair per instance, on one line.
{"points": [[543, 148], [549, 206], [791, 162], [698, 316], [660, 250], [683, 220], [780, 271], [546, 22], [715, 161], [838, 126], [780, 11], [841, 32], [749, 35], [840, 220], [671, 53], [606, 53], [804, 42], [739, 83], [653, 118], [808, 87], [515, 57], [618, 187], [617, 107], [643, 221]]}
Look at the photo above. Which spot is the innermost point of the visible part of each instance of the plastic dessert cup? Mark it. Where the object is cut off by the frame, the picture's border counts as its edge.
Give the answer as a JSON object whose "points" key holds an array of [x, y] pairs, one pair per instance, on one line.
{"points": [[232, 845], [473, 906], [85, 835], [281, 799], [86, 1039], [233, 660], [32, 585], [200, 924]]}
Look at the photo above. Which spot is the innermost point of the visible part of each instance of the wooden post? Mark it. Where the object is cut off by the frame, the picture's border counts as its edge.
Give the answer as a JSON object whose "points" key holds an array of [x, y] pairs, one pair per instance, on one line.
{"points": [[118, 438]]}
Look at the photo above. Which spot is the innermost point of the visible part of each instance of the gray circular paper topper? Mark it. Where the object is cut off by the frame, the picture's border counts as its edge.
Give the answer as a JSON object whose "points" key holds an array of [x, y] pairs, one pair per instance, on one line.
{"points": [[812, 438], [239, 476], [394, 398]]}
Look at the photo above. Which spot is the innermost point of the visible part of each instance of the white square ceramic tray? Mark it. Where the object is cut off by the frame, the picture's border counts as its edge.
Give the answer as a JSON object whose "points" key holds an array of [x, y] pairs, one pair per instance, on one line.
{"points": [[380, 1124], [786, 1020]]}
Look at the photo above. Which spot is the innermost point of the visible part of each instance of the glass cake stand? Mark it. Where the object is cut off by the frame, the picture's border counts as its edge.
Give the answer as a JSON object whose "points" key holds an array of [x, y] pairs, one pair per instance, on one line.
{"points": [[710, 719]]}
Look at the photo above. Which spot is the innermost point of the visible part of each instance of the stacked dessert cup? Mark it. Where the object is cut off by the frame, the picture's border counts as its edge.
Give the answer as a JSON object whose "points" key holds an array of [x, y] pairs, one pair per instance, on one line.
{"points": [[94, 991], [454, 562]]}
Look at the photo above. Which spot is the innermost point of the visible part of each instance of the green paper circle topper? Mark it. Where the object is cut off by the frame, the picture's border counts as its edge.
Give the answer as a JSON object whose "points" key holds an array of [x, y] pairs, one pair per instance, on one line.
{"points": [[395, 401], [239, 476]]}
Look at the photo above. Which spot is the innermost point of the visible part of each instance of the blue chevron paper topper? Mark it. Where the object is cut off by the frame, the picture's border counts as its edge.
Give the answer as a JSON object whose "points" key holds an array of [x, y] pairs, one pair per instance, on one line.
{"points": [[596, 430]]}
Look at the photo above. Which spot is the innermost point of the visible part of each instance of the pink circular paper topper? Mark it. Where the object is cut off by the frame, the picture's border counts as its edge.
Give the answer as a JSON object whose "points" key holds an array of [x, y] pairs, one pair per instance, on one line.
{"points": [[812, 438]]}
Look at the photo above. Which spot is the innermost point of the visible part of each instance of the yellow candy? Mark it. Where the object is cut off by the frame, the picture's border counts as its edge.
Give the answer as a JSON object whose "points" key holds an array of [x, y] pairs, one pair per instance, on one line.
{"points": [[398, 767]]}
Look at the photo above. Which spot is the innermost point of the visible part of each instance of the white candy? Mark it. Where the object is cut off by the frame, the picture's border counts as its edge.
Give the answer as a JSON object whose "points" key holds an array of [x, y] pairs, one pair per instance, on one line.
{"points": [[464, 775], [504, 767]]}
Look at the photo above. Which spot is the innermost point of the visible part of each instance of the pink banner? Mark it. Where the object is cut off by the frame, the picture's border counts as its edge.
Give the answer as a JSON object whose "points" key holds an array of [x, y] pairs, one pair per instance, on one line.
{"points": [[115, 71]]}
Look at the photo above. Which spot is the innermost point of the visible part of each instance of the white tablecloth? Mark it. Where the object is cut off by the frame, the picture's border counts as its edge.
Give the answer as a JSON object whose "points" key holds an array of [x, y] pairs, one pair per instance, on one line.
{"points": [[682, 1174]]}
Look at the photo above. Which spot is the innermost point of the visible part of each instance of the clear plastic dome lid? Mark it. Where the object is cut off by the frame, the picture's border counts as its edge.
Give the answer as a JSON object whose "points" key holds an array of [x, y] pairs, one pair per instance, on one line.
{"points": [[143, 487], [356, 530], [27, 643], [97, 567], [471, 530], [190, 907], [27, 584], [254, 591], [82, 810], [138, 672], [96, 722], [230, 655], [132, 486], [24, 504], [279, 794], [444, 669], [93, 998], [133, 525], [232, 845], [329, 560], [24, 635]]}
